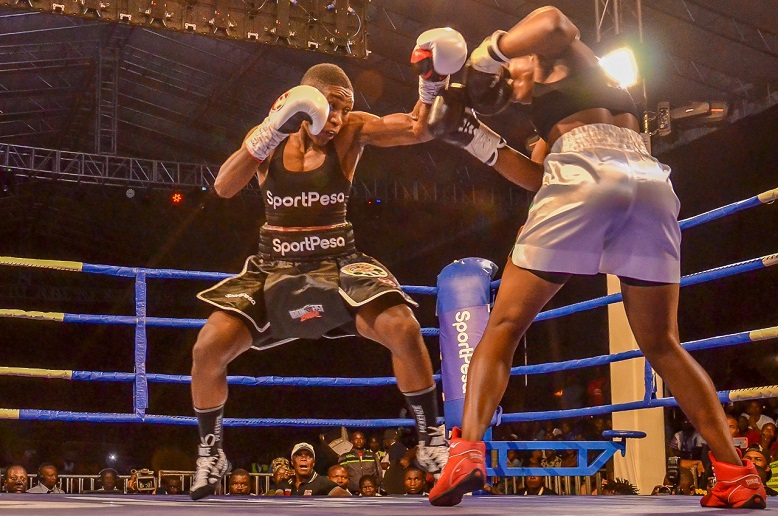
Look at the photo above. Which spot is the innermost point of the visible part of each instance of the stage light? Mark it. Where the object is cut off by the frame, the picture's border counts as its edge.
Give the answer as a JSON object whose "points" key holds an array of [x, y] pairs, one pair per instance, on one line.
{"points": [[130, 193], [621, 66], [177, 198], [112, 457]]}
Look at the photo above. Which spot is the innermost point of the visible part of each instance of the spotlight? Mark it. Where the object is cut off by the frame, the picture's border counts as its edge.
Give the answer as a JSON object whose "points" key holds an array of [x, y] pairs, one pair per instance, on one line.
{"points": [[112, 457], [621, 66], [177, 198], [130, 193]]}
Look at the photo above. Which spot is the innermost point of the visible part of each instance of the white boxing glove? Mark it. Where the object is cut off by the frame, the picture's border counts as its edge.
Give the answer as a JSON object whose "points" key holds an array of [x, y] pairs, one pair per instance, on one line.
{"points": [[286, 116], [438, 54], [487, 57]]}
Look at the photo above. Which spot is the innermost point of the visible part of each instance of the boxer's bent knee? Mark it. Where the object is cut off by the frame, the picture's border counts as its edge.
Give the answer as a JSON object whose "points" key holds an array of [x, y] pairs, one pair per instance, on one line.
{"points": [[221, 339], [510, 324]]}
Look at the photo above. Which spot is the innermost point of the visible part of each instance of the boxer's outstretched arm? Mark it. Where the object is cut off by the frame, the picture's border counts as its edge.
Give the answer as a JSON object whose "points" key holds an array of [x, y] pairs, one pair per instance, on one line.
{"points": [[395, 129], [519, 169]]}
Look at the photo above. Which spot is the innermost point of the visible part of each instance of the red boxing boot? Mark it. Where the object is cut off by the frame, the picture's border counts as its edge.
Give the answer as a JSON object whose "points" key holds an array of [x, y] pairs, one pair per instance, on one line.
{"points": [[736, 486], [464, 472]]}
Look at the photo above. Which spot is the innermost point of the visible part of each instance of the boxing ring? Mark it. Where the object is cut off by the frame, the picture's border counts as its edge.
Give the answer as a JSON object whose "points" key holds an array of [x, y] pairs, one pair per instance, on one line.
{"points": [[615, 442]]}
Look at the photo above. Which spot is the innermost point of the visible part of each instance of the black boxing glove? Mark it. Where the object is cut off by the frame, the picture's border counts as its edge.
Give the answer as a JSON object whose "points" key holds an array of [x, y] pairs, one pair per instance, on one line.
{"points": [[487, 93], [453, 122]]}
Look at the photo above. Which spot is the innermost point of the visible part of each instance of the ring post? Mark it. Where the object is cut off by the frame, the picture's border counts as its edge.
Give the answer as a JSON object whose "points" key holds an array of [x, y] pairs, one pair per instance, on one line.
{"points": [[141, 391], [464, 296]]}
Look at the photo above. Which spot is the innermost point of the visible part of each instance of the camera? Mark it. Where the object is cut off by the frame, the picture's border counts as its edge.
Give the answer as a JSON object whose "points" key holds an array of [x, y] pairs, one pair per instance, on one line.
{"points": [[145, 481]]}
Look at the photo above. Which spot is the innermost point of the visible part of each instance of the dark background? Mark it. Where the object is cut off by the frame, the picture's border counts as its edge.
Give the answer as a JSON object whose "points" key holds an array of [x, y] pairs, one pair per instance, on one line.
{"points": [[415, 240]]}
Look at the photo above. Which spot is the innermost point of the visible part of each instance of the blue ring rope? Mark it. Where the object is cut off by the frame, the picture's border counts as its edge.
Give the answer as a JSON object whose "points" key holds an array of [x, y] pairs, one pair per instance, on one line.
{"points": [[724, 397], [691, 279], [131, 272], [549, 367], [140, 397], [91, 417]]}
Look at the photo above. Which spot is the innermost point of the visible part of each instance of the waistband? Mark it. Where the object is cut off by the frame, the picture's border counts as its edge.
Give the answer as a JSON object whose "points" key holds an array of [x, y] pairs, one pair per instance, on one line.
{"points": [[302, 244], [603, 136]]}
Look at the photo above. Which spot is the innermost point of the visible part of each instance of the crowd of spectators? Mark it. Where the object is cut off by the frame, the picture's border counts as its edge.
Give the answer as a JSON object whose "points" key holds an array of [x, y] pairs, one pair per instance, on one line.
{"points": [[385, 465]]}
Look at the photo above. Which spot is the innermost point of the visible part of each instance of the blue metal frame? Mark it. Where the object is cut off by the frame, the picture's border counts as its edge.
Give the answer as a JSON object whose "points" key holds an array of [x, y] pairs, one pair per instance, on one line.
{"points": [[607, 450]]}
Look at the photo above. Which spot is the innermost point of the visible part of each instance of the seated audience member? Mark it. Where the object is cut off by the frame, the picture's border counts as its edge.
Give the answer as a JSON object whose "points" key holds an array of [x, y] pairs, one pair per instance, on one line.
{"points": [[686, 482], [535, 457], [618, 486], [396, 459], [305, 481], [48, 477], [359, 461], [550, 459], [339, 475], [533, 485], [239, 483], [415, 482], [754, 415], [734, 430], [16, 479], [368, 486], [282, 471], [171, 484], [687, 443], [768, 441], [514, 461], [753, 436], [109, 479], [569, 458], [756, 455], [374, 445]]}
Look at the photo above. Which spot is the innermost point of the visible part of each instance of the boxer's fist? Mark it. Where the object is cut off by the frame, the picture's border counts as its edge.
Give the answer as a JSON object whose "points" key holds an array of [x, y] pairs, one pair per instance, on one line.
{"points": [[438, 54], [487, 57], [487, 93], [451, 121], [301, 103]]}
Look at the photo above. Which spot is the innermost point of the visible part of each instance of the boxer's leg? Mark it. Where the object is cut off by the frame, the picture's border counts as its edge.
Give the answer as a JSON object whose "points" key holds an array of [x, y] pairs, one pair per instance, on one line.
{"points": [[223, 338], [521, 296], [652, 312], [390, 322]]}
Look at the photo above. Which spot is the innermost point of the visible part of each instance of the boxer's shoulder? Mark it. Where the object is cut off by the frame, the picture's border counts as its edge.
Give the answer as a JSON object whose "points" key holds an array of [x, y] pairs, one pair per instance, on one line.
{"points": [[352, 127]]}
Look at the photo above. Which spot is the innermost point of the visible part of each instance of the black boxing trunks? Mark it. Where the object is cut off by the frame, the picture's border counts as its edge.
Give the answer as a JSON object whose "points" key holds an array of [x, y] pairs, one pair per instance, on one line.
{"points": [[284, 300]]}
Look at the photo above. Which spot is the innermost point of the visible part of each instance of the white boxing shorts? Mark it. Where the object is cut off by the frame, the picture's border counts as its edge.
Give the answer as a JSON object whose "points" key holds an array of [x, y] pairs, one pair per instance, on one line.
{"points": [[605, 205]]}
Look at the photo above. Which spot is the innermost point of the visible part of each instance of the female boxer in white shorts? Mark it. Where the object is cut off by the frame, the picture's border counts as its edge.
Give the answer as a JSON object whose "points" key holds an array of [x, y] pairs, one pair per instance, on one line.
{"points": [[605, 205]]}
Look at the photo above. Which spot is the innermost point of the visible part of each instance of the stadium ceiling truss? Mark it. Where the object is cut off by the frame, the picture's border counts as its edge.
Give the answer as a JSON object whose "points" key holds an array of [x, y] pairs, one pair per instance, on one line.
{"points": [[178, 101]]}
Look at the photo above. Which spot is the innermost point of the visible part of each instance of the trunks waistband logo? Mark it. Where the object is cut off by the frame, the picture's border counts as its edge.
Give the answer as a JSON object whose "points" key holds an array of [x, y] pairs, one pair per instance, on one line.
{"points": [[307, 244], [307, 312], [364, 270], [244, 296]]}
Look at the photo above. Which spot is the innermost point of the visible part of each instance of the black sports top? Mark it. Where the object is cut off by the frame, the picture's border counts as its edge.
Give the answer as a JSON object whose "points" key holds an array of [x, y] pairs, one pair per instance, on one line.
{"points": [[590, 88], [305, 199]]}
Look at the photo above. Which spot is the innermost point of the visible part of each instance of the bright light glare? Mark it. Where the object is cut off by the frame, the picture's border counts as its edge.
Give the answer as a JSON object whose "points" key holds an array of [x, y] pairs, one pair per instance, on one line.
{"points": [[112, 457], [621, 66]]}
